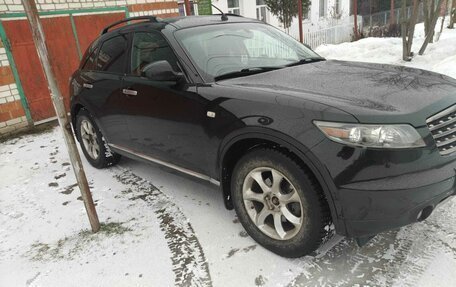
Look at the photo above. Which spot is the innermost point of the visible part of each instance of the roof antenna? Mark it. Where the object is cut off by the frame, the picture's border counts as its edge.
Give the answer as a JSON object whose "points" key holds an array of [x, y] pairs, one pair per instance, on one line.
{"points": [[224, 17]]}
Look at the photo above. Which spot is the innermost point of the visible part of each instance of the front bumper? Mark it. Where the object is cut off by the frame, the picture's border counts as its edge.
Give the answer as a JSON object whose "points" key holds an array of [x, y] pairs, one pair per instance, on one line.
{"points": [[370, 212], [379, 190]]}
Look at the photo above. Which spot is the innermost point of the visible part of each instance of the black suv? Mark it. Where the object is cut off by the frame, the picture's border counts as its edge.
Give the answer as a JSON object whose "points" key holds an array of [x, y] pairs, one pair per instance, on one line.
{"points": [[296, 143]]}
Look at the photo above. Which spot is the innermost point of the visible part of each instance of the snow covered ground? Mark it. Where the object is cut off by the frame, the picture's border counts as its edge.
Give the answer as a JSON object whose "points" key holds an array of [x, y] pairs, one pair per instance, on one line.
{"points": [[163, 229], [439, 57]]}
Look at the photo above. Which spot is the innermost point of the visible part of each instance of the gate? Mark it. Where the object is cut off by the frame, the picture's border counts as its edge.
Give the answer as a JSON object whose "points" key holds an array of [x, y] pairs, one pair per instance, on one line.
{"points": [[68, 34]]}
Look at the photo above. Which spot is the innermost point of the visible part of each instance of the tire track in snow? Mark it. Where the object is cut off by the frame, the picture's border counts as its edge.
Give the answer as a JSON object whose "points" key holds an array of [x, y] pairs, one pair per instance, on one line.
{"points": [[189, 262], [394, 258], [427, 240], [348, 265]]}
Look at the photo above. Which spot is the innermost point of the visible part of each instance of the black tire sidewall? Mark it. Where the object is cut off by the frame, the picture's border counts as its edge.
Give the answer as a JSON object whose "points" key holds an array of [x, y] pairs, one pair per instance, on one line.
{"points": [[102, 161], [310, 235]]}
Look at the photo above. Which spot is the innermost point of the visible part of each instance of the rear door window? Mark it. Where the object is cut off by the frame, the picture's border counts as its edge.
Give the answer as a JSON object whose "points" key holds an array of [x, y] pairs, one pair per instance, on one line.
{"points": [[112, 55], [90, 63]]}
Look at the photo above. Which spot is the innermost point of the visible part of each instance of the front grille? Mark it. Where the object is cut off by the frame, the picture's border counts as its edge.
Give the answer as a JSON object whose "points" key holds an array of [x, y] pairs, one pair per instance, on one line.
{"points": [[443, 129]]}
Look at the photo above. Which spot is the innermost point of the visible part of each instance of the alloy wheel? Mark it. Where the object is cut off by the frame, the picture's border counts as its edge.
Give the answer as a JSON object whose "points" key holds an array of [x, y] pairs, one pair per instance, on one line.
{"points": [[272, 203], [90, 139]]}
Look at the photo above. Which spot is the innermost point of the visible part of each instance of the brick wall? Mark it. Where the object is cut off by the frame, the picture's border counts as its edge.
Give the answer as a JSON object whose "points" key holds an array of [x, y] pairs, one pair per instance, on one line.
{"points": [[162, 8], [12, 113]]}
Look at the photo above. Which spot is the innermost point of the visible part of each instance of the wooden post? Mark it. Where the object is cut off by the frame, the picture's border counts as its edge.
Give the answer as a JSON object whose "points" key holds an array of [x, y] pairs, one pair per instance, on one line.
{"points": [[355, 14], [300, 16], [57, 100], [188, 10]]}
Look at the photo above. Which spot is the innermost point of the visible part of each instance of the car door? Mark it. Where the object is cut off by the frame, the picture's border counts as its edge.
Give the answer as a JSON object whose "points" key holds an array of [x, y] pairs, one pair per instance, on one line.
{"points": [[102, 84], [166, 119]]}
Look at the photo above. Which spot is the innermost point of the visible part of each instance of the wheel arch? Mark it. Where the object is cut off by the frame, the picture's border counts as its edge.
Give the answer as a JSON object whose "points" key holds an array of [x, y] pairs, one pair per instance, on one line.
{"points": [[74, 112], [240, 142], [75, 109]]}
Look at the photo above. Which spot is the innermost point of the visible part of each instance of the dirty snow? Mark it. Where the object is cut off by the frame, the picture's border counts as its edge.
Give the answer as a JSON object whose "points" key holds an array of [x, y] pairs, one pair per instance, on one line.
{"points": [[164, 229]]}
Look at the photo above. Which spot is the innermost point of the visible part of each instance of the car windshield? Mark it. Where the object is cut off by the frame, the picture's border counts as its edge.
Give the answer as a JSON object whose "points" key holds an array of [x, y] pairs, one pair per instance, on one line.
{"points": [[237, 48]]}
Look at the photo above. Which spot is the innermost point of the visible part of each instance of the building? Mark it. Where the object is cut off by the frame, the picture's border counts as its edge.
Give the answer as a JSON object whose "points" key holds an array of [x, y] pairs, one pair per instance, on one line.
{"points": [[70, 25], [326, 21], [322, 13], [248, 8]]}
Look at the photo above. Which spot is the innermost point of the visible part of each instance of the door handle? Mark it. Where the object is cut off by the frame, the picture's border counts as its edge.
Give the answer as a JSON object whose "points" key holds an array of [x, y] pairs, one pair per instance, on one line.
{"points": [[129, 92], [87, 86]]}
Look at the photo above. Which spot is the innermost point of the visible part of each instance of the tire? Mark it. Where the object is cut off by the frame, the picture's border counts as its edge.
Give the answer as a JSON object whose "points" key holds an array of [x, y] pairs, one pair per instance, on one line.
{"points": [[293, 201], [89, 135]]}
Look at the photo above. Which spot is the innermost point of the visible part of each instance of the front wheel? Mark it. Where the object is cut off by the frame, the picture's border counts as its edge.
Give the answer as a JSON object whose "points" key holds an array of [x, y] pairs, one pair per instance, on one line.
{"points": [[93, 144], [279, 203]]}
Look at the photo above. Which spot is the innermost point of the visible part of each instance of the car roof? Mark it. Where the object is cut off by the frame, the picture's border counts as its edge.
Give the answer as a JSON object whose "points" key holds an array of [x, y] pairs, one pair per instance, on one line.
{"points": [[194, 21], [179, 23]]}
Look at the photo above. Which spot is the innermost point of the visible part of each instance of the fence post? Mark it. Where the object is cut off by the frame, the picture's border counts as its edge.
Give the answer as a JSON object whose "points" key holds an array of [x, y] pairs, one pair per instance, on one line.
{"points": [[300, 16], [355, 14]]}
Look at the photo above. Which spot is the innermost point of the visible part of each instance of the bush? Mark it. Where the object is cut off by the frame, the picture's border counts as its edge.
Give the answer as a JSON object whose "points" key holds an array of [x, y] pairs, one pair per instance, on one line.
{"points": [[392, 30]]}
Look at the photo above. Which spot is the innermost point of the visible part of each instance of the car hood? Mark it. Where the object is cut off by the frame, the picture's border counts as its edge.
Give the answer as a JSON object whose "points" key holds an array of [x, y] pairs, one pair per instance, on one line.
{"points": [[373, 93]]}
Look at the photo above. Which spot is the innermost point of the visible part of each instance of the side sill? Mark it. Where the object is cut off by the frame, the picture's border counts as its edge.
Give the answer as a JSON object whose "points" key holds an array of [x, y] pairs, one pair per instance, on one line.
{"points": [[167, 164]]}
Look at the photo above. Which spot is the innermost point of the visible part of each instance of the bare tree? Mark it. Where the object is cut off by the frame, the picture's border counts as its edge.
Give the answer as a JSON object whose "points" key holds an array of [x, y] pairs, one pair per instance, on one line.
{"points": [[430, 30], [408, 29], [428, 9], [452, 15], [443, 11]]}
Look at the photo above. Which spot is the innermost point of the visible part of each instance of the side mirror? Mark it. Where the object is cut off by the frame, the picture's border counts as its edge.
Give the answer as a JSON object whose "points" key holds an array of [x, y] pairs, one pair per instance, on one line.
{"points": [[161, 71]]}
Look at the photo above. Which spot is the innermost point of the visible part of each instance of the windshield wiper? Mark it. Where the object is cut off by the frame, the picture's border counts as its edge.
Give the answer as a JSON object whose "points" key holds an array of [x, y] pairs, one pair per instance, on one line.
{"points": [[306, 61], [246, 72]]}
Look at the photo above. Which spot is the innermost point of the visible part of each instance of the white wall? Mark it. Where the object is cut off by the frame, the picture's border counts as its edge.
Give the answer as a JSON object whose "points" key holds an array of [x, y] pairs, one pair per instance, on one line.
{"points": [[248, 9], [315, 23]]}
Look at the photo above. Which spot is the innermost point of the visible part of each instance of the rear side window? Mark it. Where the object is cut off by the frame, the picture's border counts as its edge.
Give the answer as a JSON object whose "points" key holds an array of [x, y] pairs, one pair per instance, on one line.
{"points": [[149, 48], [90, 63], [111, 57]]}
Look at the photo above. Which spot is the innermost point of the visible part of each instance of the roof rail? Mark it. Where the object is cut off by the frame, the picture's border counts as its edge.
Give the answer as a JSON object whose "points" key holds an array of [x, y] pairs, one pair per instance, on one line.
{"points": [[149, 18], [235, 15]]}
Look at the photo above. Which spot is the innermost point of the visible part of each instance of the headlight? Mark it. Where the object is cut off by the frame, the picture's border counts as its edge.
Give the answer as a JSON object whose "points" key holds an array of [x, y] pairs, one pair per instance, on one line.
{"points": [[375, 136]]}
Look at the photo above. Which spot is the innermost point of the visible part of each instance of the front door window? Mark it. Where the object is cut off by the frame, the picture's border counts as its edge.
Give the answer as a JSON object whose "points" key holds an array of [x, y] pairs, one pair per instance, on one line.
{"points": [[149, 48]]}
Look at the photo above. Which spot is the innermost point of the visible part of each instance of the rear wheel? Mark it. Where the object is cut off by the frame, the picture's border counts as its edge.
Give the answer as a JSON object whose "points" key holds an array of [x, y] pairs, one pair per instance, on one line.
{"points": [[93, 144], [279, 203]]}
